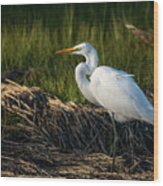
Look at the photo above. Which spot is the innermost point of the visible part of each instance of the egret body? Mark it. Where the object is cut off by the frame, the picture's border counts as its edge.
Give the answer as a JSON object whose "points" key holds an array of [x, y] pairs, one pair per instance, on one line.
{"points": [[115, 90]]}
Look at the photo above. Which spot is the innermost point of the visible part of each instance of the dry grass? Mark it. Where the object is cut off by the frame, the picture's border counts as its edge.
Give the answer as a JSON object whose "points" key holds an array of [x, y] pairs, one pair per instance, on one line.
{"points": [[44, 137]]}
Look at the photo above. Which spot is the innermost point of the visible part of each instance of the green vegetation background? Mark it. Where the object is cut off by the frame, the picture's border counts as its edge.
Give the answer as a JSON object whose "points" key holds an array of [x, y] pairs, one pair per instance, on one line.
{"points": [[32, 33]]}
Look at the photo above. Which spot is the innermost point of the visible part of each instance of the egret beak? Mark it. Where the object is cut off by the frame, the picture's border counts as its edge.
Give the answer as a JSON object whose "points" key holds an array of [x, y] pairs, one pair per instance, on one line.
{"points": [[66, 50]]}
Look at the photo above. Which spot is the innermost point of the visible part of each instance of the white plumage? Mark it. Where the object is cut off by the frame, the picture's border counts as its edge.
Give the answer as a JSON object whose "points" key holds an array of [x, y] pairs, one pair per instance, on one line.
{"points": [[121, 95], [115, 90]]}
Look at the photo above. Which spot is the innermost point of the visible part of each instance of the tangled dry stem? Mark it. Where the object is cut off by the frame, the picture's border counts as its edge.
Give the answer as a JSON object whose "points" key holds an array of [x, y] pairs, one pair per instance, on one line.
{"points": [[44, 137]]}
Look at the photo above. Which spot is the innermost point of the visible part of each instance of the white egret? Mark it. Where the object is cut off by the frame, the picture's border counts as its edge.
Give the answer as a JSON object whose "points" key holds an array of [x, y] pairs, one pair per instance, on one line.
{"points": [[115, 90]]}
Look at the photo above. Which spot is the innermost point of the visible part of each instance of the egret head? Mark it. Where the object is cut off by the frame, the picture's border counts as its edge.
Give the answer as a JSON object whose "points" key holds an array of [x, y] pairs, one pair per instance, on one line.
{"points": [[81, 49], [85, 49]]}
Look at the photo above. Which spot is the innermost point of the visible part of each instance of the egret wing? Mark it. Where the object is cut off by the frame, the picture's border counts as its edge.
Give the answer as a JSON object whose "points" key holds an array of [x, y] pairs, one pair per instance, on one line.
{"points": [[118, 92]]}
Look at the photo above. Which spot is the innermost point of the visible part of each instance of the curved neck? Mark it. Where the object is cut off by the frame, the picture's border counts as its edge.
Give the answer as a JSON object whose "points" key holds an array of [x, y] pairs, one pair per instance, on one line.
{"points": [[92, 60], [81, 72]]}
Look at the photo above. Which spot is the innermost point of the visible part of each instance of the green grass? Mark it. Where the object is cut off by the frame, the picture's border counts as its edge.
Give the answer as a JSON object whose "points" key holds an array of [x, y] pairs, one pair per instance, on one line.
{"points": [[32, 34]]}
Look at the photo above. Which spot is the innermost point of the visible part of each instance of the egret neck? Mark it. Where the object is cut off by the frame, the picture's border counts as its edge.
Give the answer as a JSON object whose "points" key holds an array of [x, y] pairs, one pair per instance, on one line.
{"points": [[91, 60], [81, 72]]}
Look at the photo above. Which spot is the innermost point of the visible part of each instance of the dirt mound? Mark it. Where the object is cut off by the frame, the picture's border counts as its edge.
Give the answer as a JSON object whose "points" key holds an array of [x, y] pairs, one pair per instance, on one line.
{"points": [[44, 137]]}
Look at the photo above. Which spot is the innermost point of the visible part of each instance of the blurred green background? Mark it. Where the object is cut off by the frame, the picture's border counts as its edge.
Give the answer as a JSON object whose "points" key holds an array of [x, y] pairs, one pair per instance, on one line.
{"points": [[32, 33]]}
